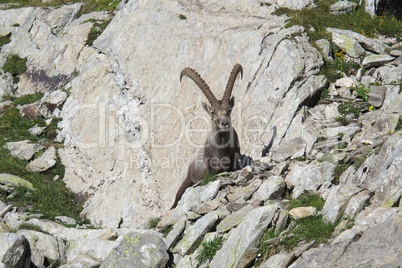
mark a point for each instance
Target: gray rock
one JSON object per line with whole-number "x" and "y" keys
{"x": 377, "y": 95}
{"x": 13, "y": 249}
{"x": 325, "y": 47}
{"x": 296, "y": 4}
{"x": 242, "y": 239}
{"x": 357, "y": 203}
{"x": 98, "y": 249}
{"x": 14, "y": 181}
{"x": 138, "y": 250}
{"x": 289, "y": 149}
{"x": 195, "y": 233}
{"x": 234, "y": 219}
{"x": 243, "y": 193}
{"x": 36, "y": 130}
{"x": 194, "y": 196}
{"x": 55, "y": 97}
{"x": 44, "y": 246}
{"x": 337, "y": 201}
{"x": 396, "y": 53}
{"x": 373, "y": 45}
{"x": 376, "y": 60}
{"x": 272, "y": 188}
{"x": 342, "y": 7}
{"x": 23, "y": 149}
{"x": 65, "y": 220}
{"x": 277, "y": 260}
{"x": 174, "y": 235}
{"x": 46, "y": 161}
{"x": 308, "y": 177}
{"x": 350, "y": 45}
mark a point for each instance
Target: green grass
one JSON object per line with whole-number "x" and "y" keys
{"x": 319, "y": 18}
{"x": 27, "y": 99}
{"x": 29, "y": 226}
{"x": 4, "y": 40}
{"x": 209, "y": 250}
{"x": 308, "y": 229}
{"x": 208, "y": 178}
{"x": 96, "y": 30}
{"x": 15, "y": 66}
{"x": 89, "y": 5}
{"x": 51, "y": 198}
{"x": 307, "y": 200}
{"x": 153, "y": 223}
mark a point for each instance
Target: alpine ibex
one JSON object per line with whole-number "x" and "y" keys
{"x": 221, "y": 150}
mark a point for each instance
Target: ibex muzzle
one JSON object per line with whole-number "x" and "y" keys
{"x": 221, "y": 150}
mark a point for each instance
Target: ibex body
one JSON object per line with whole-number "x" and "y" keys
{"x": 221, "y": 150}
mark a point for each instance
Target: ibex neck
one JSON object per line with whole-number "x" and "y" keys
{"x": 222, "y": 138}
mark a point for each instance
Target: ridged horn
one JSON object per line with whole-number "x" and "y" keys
{"x": 232, "y": 78}
{"x": 193, "y": 75}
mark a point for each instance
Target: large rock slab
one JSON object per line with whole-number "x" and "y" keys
{"x": 13, "y": 249}
{"x": 308, "y": 177}
{"x": 244, "y": 237}
{"x": 348, "y": 44}
{"x": 46, "y": 161}
{"x": 23, "y": 149}
{"x": 138, "y": 250}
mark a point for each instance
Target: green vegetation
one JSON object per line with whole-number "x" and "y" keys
{"x": 182, "y": 17}
{"x": 335, "y": 69}
{"x": 351, "y": 107}
{"x": 153, "y": 223}
{"x": 15, "y": 66}
{"x": 208, "y": 178}
{"x": 165, "y": 230}
{"x": 316, "y": 20}
{"x": 29, "y": 226}
{"x": 308, "y": 229}
{"x": 209, "y": 249}
{"x": 96, "y": 30}
{"x": 89, "y": 5}
{"x": 27, "y": 99}
{"x": 307, "y": 200}
{"x": 399, "y": 124}
{"x": 338, "y": 170}
{"x": 362, "y": 92}
{"x": 304, "y": 230}
{"x": 4, "y": 40}
{"x": 51, "y": 198}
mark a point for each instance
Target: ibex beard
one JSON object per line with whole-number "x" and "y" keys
{"x": 221, "y": 150}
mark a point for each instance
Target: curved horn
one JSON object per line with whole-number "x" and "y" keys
{"x": 232, "y": 78}
{"x": 193, "y": 75}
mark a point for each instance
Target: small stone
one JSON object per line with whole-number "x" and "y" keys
{"x": 377, "y": 95}
{"x": 44, "y": 162}
{"x": 348, "y": 44}
{"x": 396, "y": 53}
{"x": 66, "y": 220}
{"x": 302, "y": 212}
{"x": 376, "y": 60}
{"x": 36, "y": 130}
{"x": 342, "y": 7}
{"x": 23, "y": 149}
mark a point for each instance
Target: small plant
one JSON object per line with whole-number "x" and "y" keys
{"x": 338, "y": 171}
{"x": 29, "y": 226}
{"x": 182, "y": 17}
{"x": 153, "y": 223}
{"x": 208, "y": 178}
{"x": 309, "y": 229}
{"x": 96, "y": 30}
{"x": 399, "y": 124}
{"x": 307, "y": 200}
{"x": 15, "y": 66}
{"x": 209, "y": 249}
{"x": 27, "y": 99}
{"x": 362, "y": 92}
{"x": 165, "y": 230}
{"x": 5, "y": 39}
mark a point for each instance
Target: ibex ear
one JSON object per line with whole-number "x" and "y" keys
{"x": 207, "y": 108}
{"x": 231, "y": 102}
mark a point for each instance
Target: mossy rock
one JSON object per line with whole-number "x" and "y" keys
{"x": 15, "y": 181}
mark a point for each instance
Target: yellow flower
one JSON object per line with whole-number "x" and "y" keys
{"x": 371, "y": 108}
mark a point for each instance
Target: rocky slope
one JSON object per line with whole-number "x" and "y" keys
{"x": 130, "y": 128}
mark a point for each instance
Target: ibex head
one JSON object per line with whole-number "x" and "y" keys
{"x": 219, "y": 110}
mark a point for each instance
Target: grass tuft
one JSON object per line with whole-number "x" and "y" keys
{"x": 209, "y": 250}
{"x": 307, "y": 200}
